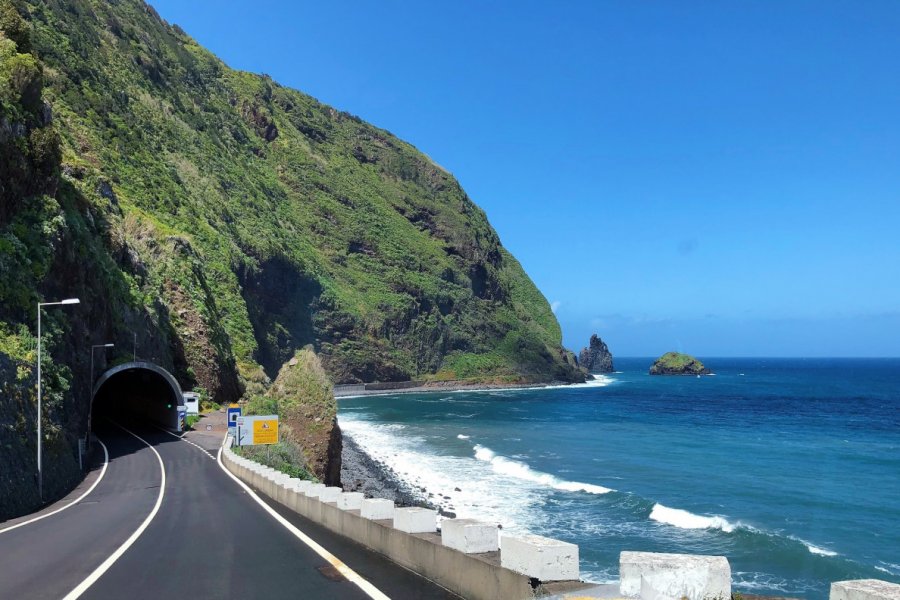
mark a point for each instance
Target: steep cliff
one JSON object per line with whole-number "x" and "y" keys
{"x": 217, "y": 222}
{"x": 596, "y": 358}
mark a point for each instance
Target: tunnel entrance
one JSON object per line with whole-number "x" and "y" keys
{"x": 138, "y": 390}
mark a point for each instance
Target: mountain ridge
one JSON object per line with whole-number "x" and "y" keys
{"x": 216, "y": 222}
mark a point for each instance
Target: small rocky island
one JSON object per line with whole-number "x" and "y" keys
{"x": 676, "y": 363}
{"x": 596, "y": 358}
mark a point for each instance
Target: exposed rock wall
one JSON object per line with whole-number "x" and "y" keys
{"x": 596, "y": 358}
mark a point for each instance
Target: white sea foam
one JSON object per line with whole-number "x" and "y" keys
{"x": 482, "y": 453}
{"x": 597, "y": 381}
{"x": 766, "y": 582}
{"x": 820, "y": 551}
{"x": 687, "y": 520}
{"x": 463, "y": 437}
{"x": 889, "y": 568}
{"x": 488, "y": 487}
{"x": 520, "y": 470}
{"x": 459, "y": 484}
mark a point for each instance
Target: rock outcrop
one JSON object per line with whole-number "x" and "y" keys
{"x": 304, "y": 397}
{"x": 596, "y": 358}
{"x": 675, "y": 363}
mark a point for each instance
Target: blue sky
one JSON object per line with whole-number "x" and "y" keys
{"x": 721, "y": 178}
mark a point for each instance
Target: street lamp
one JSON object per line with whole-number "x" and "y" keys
{"x": 39, "y": 470}
{"x": 91, "y": 387}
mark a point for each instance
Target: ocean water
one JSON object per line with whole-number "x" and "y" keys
{"x": 789, "y": 467}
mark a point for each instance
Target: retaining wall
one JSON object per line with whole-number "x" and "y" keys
{"x": 475, "y": 576}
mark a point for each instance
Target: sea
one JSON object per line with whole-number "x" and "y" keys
{"x": 788, "y": 467}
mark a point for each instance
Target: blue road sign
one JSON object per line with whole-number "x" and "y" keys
{"x": 234, "y": 412}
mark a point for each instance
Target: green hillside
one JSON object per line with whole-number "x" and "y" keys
{"x": 216, "y": 222}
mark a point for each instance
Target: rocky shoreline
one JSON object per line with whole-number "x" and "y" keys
{"x": 361, "y": 473}
{"x": 346, "y": 391}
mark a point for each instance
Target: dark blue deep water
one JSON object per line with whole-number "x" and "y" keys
{"x": 789, "y": 467}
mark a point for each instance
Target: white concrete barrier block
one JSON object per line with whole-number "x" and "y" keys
{"x": 695, "y": 577}
{"x": 302, "y": 485}
{"x": 330, "y": 494}
{"x": 376, "y": 509}
{"x": 864, "y": 589}
{"x": 469, "y": 536}
{"x": 415, "y": 520}
{"x": 315, "y": 490}
{"x": 350, "y": 500}
{"x": 539, "y": 557}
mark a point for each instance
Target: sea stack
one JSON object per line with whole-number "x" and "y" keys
{"x": 596, "y": 358}
{"x": 676, "y": 363}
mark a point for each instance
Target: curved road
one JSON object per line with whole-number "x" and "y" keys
{"x": 209, "y": 538}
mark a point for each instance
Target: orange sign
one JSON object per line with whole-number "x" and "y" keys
{"x": 265, "y": 431}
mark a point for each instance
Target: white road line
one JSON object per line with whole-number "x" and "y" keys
{"x": 351, "y": 575}
{"x": 183, "y": 439}
{"x": 73, "y": 502}
{"x": 104, "y": 567}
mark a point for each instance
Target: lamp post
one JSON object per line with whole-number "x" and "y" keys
{"x": 40, "y": 473}
{"x": 91, "y": 388}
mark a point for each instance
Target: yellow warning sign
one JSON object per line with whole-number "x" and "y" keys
{"x": 265, "y": 431}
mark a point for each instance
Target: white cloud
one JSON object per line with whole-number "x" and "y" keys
{"x": 554, "y": 306}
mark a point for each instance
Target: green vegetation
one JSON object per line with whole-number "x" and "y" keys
{"x": 266, "y": 220}
{"x": 191, "y": 420}
{"x": 227, "y": 221}
{"x": 283, "y": 456}
{"x": 675, "y": 363}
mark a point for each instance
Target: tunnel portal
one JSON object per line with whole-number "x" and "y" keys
{"x": 138, "y": 390}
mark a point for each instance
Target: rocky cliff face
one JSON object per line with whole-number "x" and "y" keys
{"x": 229, "y": 222}
{"x": 596, "y": 358}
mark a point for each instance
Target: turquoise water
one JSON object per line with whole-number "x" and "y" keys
{"x": 790, "y": 468}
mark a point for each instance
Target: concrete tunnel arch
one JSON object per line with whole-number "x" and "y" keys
{"x": 140, "y": 389}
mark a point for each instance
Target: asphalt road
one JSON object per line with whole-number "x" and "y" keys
{"x": 209, "y": 538}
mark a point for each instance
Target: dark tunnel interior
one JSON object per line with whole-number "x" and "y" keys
{"x": 136, "y": 394}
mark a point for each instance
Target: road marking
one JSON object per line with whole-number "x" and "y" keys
{"x": 183, "y": 439}
{"x": 104, "y": 567}
{"x": 351, "y": 575}
{"x": 73, "y": 502}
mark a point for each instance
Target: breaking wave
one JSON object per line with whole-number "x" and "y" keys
{"x": 688, "y": 520}
{"x": 520, "y": 470}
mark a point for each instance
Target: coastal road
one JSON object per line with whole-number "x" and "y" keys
{"x": 204, "y": 536}
{"x": 49, "y": 557}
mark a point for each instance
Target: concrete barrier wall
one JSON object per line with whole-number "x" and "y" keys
{"x": 864, "y": 589}
{"x": 650, "y": 575}
{"x": 475, "y": 576}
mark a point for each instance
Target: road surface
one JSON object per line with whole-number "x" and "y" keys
{"x": 200, "y": 535}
